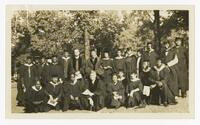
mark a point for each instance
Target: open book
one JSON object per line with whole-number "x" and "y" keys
{"x": 52, "y": 102}
{"x": 88, "y": 92}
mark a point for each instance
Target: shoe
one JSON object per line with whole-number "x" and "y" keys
{"x": 165, "y": 104}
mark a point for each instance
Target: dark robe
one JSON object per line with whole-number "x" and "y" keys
{"x": 56, "y": 92}
{"x": 94, "y": 64}
{"x": 182, "y": 68}
{"x": 75, "y": 90}
{"x": 151, "y": 57}
{"x": 107, "y": 72}
{"x": 139, "y": 62}
{"x": 36, "y": 100}
{"x": 162, "y": 94}
{"x": 99, "y": 90}
{"x": 136, "y": 100}
{"x": 78, "y": 65}
{"x": 167, "y": 57}
{"x": 45, "y": 74}
{"x": 130, "y": 64}
{"x": 119, "y": 65}
{"x": 55, "y": 69}
{"x": 119, "y": 88}
{"x": 66, "y": 64}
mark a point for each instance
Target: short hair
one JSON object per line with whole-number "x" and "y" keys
{"x": 178, "y": 38}
{"x": 149, "y": 43}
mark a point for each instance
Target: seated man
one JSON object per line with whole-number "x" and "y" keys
{"x": 72, "y": 90}
{"x": 161, "y": 94}
{"x": 134, "y": 91}
{"x": 116, "y": 92}
{"x": 54, "y": 91}
{"x": 94, "y": 93}
{"x": 35, "y": 99}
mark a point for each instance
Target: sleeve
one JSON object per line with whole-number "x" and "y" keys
{"x": 173, "y": 62}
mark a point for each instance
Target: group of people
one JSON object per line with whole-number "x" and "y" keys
{"x": 131, "y": 80}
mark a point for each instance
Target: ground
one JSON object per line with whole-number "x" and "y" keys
{"x": 181, "y": 107}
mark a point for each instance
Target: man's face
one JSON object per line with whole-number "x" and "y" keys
{"x": 149, "y": 46}
{"x": 55, "y": 79}
{"x": 178, "y": 42}
{"x": 66, "y": 54}
{"x": 43, "y": 60}
{"x": 121, "y": 74}
{"x": 166, "y": 45}
{"x": 119, "y": 53}
{"x": 29, "y": 61}
{"x": 114, "y": 78}
{"x": 76, "y": 52}
{"x": 92, "y": 76}
{"x": 133, "y": 76}
{"x": 145, "y": 64}
{"x": 106, "y": 55}
{"x": 159, "y": 62}
{"x": 138, "y": 53}
{"x": 129, "y": 52}
{"x": 72, "y": 77}
{"x": 93, "y": 54}
{"x": 38, "y": 84}
{"x": 54, "y": 59}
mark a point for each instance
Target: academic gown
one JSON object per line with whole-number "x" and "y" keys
{"x": 36, "y": 100}
{"x": 56, "y": 91}
{"x": 151, "y": 56}
{"x": 167, "y": 57}
{"x": 130, "y": 64}
{"x": 45, "y": 74}
{"x": 99, "y": 90}
{"x": 182, "y": 68}
{"x": 163, "y": 93}
{"x": 94, "y": 65}
{"x": 78, "y": 65}
{"x": 137, "y": 96}
{"x": 74, "y": 90}
{"x": 66, "y": 64}
{"x": 107, "y": 72}
{"x": 119, "y": 88}
{"x": 119, "y": 65}
{"x": 55, "y": 69}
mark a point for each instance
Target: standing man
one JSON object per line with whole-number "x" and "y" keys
{"x": 182, "y": 66}
{"x": 119, "y": 63}
{"x": 66, "y": 63}
{"x": 150, "y": 55}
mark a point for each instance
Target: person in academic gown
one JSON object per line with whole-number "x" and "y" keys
{"x": 182, "y": 66}
{"x": 107, "y": 65}
{"x": 94, "y": 63}
{"x": 36, "y": 99}
{"x": 28, "y": 74}
{"x": 119, "y": 63}
{"x": 116, "y": 92}
{"x": 130, "y": 63}
{"x": 45, "y": 72}
{"x": 54, "y": 91}
{"x": 161, "y": 94}
{"x": 139, "y": 62}
{"x": 150, "y": 55}
{"x": 97, "y": 89}
{"x": 66, "y": 63}
{"x": 72, "y": 90}
{"x": 170, "y": 59}
{"x": 55, "y": 69}
{"x": 147, "y": 75}
{"x": 134, "y": 91}
{"x": 38, "y": 67}
{"x": 78, "y": 63}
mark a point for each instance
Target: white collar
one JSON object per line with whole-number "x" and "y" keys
{"x": 147, "y": 70}
{"x": 74, "y": 82}
{"x": 158, "y": 69}
{"x": 55, "y": 63}
{"x": 151, "y": 50}
{"x": 105, "y": 58}
{"x": 34, "y": 88}
{"x": 26, "y": 64}
{"x": 122, "y": 78}
{"x": 76, "y": 57}
{"x": 65, "y": 58}
{"x": 54, "y": 84}
{"x": 119, "y": 57}
{"x": 136, "y": 79}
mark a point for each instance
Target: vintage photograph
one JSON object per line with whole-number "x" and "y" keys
{"x": 100, "y": 60}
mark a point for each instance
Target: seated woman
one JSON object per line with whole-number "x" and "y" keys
{"x": 35, "y": 99}
{"x": 94, "y": 93}
{"x": 161, "y": 94}
{"x": 54, "y": 91}
{"x": 134, "y": 91}
{"x": 72, "y": 90}
{"x": 116, "y": 92}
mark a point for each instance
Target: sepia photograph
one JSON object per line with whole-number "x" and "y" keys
{"x": 91, "y": 60}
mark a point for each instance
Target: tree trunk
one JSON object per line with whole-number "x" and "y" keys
{"x": 157, "y": 30}
{"x": 87, "y": 45}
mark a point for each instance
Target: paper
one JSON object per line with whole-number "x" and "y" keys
{"x": 52, "y": 102}
{"x": 146, "y": 90}
{"x": 87, "y": 92}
